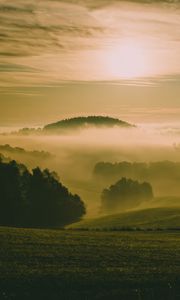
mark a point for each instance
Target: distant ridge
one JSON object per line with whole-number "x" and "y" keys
{"x": 7, "y": 149}
{"x": 85, "y": 122}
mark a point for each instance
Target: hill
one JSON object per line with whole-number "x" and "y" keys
{"x": 152, "y": 218}
{"x": 85, "y": 122}
{"x": 76, "y": 123}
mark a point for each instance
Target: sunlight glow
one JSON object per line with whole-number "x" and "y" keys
{"x": 128, "y": 60}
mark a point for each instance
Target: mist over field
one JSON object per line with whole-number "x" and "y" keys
{"x": 89, "y": 149}
{"x": 73, "y": 156}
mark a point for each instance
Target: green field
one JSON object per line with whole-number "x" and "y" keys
{"x": 52, "y": 264}
{"x": 152, "y": 218}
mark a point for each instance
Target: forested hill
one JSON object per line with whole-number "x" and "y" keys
{"x": 77, "y": 123}
{"x": 83, "y": 122}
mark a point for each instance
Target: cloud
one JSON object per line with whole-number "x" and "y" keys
{"x": 15, "y": 68}
{"x": 74, "y": 39}
{"x": 30, "y": 28}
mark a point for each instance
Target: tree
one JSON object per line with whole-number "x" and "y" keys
{"x": 50, "y": 202}
{"x": 125, "y": 194}
{"x": 11, "y": 193}
{"x": 35, "y": 199}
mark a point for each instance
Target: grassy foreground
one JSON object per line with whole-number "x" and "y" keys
{"x": 52, "y": 264}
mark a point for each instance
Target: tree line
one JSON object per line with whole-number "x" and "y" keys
{"x": 138, "y": 170}
{"x": 36, "y": 198}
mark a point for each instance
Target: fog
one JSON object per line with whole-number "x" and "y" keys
{"x": 74, "y": 155}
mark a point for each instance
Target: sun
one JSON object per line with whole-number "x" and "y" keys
{"x": 128, "y": 60}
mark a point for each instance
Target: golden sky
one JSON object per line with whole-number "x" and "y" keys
{"x": 72, "y": 57}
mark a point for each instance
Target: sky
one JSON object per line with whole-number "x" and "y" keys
{"x": 80, "y": 57}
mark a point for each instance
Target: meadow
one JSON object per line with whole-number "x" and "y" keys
{"x": 156, "y": 218}
{"x": 70, "y": 264}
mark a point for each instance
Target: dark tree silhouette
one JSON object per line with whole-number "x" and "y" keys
{"x": 35, "y": 199}
{"x": 125, "y": 194}
{"x": 78, "y": 122}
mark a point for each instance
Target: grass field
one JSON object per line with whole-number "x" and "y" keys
{"x": 152, "y": 218}
{"x": 52, "y": 264}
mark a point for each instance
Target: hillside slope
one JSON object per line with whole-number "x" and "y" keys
{"x": 155, "y": 218}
